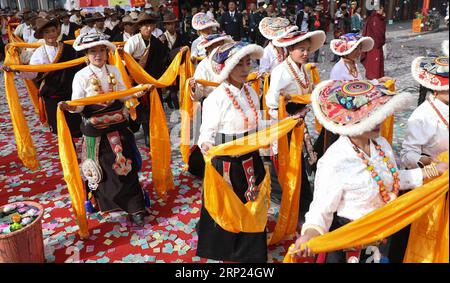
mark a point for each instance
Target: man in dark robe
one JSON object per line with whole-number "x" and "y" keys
{"x": 373, "y": 60}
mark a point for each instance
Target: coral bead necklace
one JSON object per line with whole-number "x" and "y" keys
{"x": 239, "y": 108}
{"x": 385, "y": 195}
{"x": 302, "y": 84}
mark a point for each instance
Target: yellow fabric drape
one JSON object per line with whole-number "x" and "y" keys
{"x": 384, "y": 221}
{"x": 387, "y": 127}
{"x": 160, "y": 147}
{"x": 289, "y": 176}
{"x": 428, "y": 240}
{"x": 159, "y": 133}
{"x": 128, "y": 84}
{"x": 33, "y": 93}
{"x": 77, "y": 32}
{"x": 68, "y": 156}
{"x": 186, "y": 112}
{"x": 221, "y": 202}
{"x": 141, "y": 76}
{"x": 25, "y": 147}
{"x": 48, "y": 67}
{"x": 255, "y": 83}
{"x": 315, "y": 77}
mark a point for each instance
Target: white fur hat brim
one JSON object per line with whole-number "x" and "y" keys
{"x": 86, "y": 46}
{"x": 445, "y": 47}
{"x": 317, "y": 38}
{"x": 366, "y": 43}
{"x": 425, "y": 81}
{"x": 398, "y": 102}
{"x": 255, "y": 52}
{"x": 225, "y": 38}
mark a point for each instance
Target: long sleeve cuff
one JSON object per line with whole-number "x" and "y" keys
{"x": 319, "y": 229}
{"x": 410, "y": 179}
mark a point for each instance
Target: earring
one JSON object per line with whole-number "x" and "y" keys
{"x": 86, "y": 61}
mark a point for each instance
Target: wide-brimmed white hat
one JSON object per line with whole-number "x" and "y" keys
{"x": 317, "y": 39}
{"x": 201, "y": 21}
{"x": 89, "y": 40}
{"x": 431, "y": 72}
{"x": 227, "y": 56}
{"x": 214, "y": 38}
{"x": 351, "y": 108}
{"x": 273, "y": 28}
{"x": 347, "y": 43}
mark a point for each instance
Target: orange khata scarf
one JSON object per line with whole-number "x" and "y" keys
{"x": 159, "y": 134}
{"x": 25, "y": 146}
{"x": 222, "y": 204}
{"x": 426, "y": 207}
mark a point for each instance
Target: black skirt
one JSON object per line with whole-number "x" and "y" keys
{"x": 219, "y": 244}
{"x": 119, "y": 192}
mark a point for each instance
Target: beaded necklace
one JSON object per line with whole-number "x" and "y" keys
{"x": 438, "y": 112}
{"x": 302, "y": 85}
{"x": 96, "y": 83}
{"x": 239, "y": 108}
{"x": 386, "y": 196}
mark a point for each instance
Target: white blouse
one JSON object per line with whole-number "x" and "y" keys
{"x": 87, "y": 29}
{"x": 135, "y": 46}
{"x": 426, "y": 133}
{"x": 283, "y": 81}
{"x": 65, "y": 29}
{"x": 81, "y": 86}
{"x": 270, "y": 59}
{"x": 195, "y": 52}
{"x": 44, "y": 54}
{"x": 110, "y": 24}
{"x": 221, "y": 117}
{"x": 204, "y": 71}
{"x": 344, "y": 185}
{"x": 76, "y": 20}
{"x": 341, "y": 73}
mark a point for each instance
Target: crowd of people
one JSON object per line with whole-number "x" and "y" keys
{"x": 357, "y": 171}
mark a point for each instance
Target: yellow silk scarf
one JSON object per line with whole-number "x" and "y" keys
{"x": 69, "y": 159}
{"x": 25, "y": 146}
{"x": 221, "y": 202}
{"x": 131, "y": 103}
{"x": 428, "y": 238}
{"x": 289, "y": 175}
{"x": 159, "y": 132}
{"x": 389, "y": 219}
